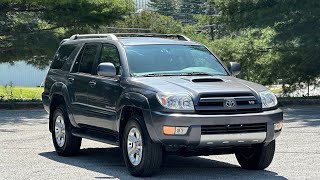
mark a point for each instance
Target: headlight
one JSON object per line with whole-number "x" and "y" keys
{"x": 268, "y": 99}
{"x": 175, "y": 101}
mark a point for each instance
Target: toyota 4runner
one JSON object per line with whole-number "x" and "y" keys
{"x": 156, "y": 94}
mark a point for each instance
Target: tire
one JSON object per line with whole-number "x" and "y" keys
{"x": 151, "y": 153}
{"x": 71, "y": 144}
{"x": 257, "y": 157}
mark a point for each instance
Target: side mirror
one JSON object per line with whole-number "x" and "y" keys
{"x": 106, "y": 70}
{"x": 234, "y": 68}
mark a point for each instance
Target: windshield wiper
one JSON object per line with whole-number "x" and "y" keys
{"x": 159, "y": 74}
{"x": 181, "y": 74}
{"x": 195, "y": 74}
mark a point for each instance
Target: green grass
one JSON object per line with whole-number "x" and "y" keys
{"x": 20, "y": 92}
{"x": 275, "y": 89}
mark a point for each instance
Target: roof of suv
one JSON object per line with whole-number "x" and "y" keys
{"x": 132, "y": 39}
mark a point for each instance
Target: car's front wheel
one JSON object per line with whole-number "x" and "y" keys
{"x": 142, "y": 156}
{"x": 257, "y": 157}
{"x": 64, "y": 142}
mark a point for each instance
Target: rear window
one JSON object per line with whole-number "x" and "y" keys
{"x": 63, "y": 55}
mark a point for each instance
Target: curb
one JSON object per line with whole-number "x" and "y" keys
{"x": 298, "y": 102}
{"x": 21, "y": 105}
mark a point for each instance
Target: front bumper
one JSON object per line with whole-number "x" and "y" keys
{"x": 195, "y": 121}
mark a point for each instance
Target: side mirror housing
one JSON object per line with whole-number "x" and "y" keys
{"x": 234, "y": 68}
{"x": 106, "y": 70}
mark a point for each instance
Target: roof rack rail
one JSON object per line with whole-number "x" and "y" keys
{"x": 114, "y": 36}
{"x": 177, "y": 36}
{"x": 84, "y": 36}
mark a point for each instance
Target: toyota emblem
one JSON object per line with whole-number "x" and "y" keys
{"x": 230, "y": 103}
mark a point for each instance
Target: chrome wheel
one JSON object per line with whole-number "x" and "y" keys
{"x": 60, "y": 132}
{"x": 134, "y": 146}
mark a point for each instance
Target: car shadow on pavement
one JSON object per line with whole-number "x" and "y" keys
{"x": 23, "y": 117}
{"x": 303, "y": 116}
{"x": 110, "y": 163}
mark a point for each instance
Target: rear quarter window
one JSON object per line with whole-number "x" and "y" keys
{"x": 63, "y": 56}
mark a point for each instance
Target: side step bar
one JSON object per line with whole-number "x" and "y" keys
{"x": 96, "y": 136}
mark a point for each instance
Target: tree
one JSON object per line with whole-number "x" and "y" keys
{"x": 154, "y": 21}
{"x": 31, "y": 30}
{"x": 296, "y": 39}
{"x": 184, "y": 10}
{"x": 165, "y": 7}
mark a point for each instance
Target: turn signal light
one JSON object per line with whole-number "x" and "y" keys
{"x": 171, "y": 130}
{"x": 278, "y": 126}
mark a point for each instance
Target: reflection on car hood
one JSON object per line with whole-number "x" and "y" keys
{"x": 197, "y": 85}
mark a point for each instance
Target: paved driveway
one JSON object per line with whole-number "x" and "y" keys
{"x": 26, "y": 152}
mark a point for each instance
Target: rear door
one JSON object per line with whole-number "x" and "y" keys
{"x": 78, "y": 81}
{"x": 104, "y": 92}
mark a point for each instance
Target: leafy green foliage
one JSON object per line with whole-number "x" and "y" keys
{"x": 151, "y": 20}
{"x": 296, "y": 39}
{"x": 31, "y": 30}
{"x": 183, "y": 10}
{"x": 165, "y": 7}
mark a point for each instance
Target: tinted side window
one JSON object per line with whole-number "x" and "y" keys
{"x": 88, "y": 58}
{"x": 62, "y": 56}
{"x": 109, "y": 53}
{"x": 77, "y": 62}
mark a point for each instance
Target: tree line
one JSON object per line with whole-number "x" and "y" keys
{"x": 272, "y": 39}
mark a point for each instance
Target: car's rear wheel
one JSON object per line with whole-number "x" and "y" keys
{"x": 142, "y": 156}
{"x": 257, "y": 157}
{"x": 64, "y": 142}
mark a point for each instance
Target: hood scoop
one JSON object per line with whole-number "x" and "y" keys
{"x": 206, "y": 80}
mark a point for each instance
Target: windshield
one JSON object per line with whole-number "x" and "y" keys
{"x": 172, "y": 60}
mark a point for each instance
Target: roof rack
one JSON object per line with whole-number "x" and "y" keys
{"x": 114, "y": 36}
{"x": 177, "y": 36}
{"x": 84, "y": 36}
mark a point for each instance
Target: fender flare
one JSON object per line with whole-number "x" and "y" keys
{"x": 140, "y": 101}
{"x": 61, "y": 89}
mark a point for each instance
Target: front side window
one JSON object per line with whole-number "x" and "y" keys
{"x": 172, "y": 59}
{"x": 63, "y": 55}
{"x": 109, "y": 53}
{"x": 88, "y": 57}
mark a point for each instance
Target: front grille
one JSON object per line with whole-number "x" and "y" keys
{"x": 217, "y": 103}
{"x": 233, "y": 128}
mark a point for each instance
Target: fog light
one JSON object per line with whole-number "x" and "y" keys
{"x": 175, "y": 130}
{"x": 181, "y": 130}
{"x": 278, "y": 126}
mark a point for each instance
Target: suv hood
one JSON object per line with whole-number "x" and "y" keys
{"x": 198, "y": 85}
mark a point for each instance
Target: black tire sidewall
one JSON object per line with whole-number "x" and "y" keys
{"x": 151, "y": 153}
{"x": 261, "y": 158}
{"x": 133, "y": 123}
{"x": 61, "y": 111}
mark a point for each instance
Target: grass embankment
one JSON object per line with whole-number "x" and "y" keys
{"x": 17, "y": 93}
{"x": 275, "y": 88}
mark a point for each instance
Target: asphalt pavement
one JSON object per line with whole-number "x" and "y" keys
{"x": 26, "y": 152}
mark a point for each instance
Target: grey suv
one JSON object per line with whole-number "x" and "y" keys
{"x": 154, "y": 95}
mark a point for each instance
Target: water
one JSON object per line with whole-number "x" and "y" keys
{"x": 21, "y": 74}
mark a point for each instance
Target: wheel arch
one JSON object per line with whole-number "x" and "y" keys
{"x": 135, "y": 104}
{"x": 59, "y": 96}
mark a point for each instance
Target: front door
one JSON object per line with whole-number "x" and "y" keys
{"x": 79, "y": 79}
{"x": 104, "y": 92}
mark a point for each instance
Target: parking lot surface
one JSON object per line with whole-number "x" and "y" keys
{"x": 26, "y": 152}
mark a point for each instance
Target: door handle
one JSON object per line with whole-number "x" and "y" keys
{"x": 92, "y": 83}
{"x": 70, "y": 79}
